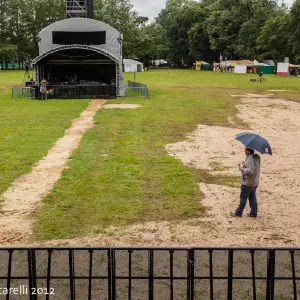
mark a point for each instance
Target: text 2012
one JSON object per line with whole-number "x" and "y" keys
{"x": 42, "y": 291}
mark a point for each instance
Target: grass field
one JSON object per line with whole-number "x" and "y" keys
{"x": 121, "y": 173}
{"x": 29, "y": 128}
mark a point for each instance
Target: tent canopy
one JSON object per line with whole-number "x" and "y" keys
{"x": 81, "y": 31}
{"x": 131, "y": 65}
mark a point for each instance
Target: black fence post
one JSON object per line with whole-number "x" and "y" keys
{"x": 111, "y": 274}
{"x": 294, "y": 274}
{"x": 32, "y": 275}
{"x": 48, "y": 274}
{"x": 191, "y": 274}
{"x": 270, "y": 275}
{"x": 129, "y": 273}
{"x": 230, "y": 274}
{"x": 90, "y": 274}
{"x": 114, "y": 286}
{"x": 253, "y": 274}
{"x": 171, "y": 274}
{"x": 150, "y": 271}
{"x": 211, "y": 275}
{"x": 71, "y": 272}
{"x": 109, "y": 285}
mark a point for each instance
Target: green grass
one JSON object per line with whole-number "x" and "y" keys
{"x": 206, "y": 80}
{"x": 10, "y": 78}
{"x": 121, "y": 173}
{"x": 29, "y": 128}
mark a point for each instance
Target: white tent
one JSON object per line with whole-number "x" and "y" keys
{"x": 241, "y": 69}
{"x": 90, "y": 47}
{"x": 158, "y": 62}
{"x": 283, "y": 69}
{"x": 131, "y": 65}
{"x": 269, "y": 62}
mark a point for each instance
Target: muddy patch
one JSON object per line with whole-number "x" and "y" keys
{"x": 122, "y": 106}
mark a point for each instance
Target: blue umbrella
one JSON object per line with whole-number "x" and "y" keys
{"x": 255, "y": 142}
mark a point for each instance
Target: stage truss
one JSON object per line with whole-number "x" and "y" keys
{"x": 39, "y": 67}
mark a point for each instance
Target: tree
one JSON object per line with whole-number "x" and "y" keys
{"x": 176, "y": 28}
{"x": 5, "y": 46}
{"x": 273, "y": 40}
{"x": 120, "y": 15}
{"x": 294, "y": 30}
{"x": 260, "y": 13}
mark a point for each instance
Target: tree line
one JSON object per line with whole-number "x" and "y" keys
{"x": 184, "y": 31}
{"x": 236, "y": 29}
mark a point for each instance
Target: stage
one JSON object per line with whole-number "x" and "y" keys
{"x": 80, "y": 59}
{"x": 80, "y": 91}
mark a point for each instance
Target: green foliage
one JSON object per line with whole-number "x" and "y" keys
{"x": 273, "y": 41}
{"x": 184, "y": 31}
{"x": 295, "y": 30}
{"x": 249, "y": 29}
{"x": 22, "y": 20}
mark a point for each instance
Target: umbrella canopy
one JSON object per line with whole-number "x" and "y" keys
{"x": 255, "y": 142}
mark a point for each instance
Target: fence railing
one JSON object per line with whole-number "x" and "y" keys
{"x": 83, "y": 91}
{"x": 19, "y": 91}
{"x": 136, "y": 89}
{"x": 149, "y": 273}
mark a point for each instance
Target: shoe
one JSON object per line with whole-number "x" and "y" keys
{"x": 234, "y": 214}
{"x": 252, "y": 216}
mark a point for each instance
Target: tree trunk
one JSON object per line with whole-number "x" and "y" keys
{"x": 5, "y": 61}
{"x": 18, "y": 53}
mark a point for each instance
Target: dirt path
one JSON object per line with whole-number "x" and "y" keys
{"x": 25, "y": 195}
{"x": 278, "y": 195}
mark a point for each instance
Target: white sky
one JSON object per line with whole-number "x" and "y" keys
{"x": 151, "y": 8}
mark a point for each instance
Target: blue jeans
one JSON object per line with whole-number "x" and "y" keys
{"x": 247, "y": 192}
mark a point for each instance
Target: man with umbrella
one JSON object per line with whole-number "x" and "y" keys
{"x": 250, "y": 171}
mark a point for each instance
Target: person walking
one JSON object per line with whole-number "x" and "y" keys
{"x": 43, "y": 89}
{"x": 250, "y": 173}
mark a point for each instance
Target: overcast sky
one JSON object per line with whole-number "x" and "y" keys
{"x": 151, "y": 8}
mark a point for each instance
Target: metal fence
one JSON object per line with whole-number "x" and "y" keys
{"x": 149, "y": 273}
{"x": 83, "y": 91}
{"x": 136, "y": 89}
{"x": 19, "y": 91}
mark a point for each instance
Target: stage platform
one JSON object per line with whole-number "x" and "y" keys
{"x": 79, "y": 91}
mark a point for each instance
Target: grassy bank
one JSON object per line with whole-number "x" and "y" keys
{"x": 29, "y": 128}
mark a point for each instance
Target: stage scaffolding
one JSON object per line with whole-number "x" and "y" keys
{"x": 79, "y": 9}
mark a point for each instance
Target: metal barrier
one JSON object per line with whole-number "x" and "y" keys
{"x": 149, "y": 273}
{"x": 83, "y": 91}
{"x": 19, "y": 91}
{"x": 136, "y": 89}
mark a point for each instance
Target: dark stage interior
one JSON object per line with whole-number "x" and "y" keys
{"x": 78, "y": 73}
{"x": 78, "y": 66}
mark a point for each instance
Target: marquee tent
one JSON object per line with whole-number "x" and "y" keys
{"x": 131, "y": 65}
